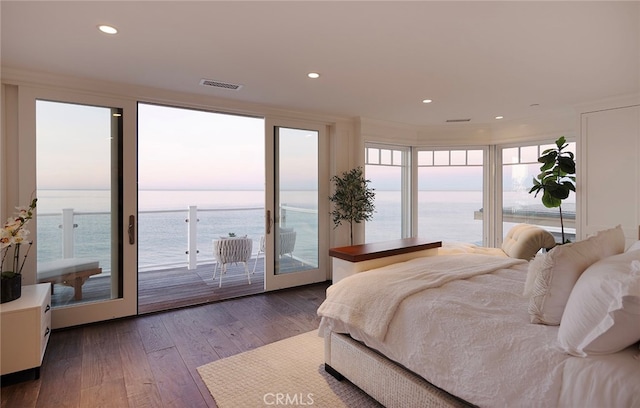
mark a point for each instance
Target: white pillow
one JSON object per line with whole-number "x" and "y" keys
{"x": 535, "y": 265}
{"x": 634, "y": 247}
{"x": 603, "y": 312}
{"x": 561, "y": 268}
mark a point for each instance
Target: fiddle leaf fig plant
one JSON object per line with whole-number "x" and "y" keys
{"x": 353, "y": 199}
{"x": 557, "y": 177}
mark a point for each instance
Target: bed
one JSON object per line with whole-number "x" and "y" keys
{"x": 467, "y": 328}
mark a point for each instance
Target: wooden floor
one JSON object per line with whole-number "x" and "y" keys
{"x": 167, "y": 289}
{"x": 151, "y": 360}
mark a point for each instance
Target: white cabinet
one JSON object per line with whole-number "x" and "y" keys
{"x": 26, "y": 325}
{"x": 609, "y": 176}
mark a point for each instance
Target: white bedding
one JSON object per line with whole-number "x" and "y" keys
{"x": 352, "y": 303}
{"x": 472, "y": 338}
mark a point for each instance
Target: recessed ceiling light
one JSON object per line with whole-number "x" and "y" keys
{"x": 313, "y": 75}
{"x": 107, "y": 29}
{"x": 499, "y": 117}
{"x": 427, "y": 101}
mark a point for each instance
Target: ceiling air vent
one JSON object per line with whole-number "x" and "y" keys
{"x": 457, "y": 120}
{"x": 220, "y": 84}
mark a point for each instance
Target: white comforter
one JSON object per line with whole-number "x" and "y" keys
{"x": 350, "y": 301}
{"x": 472, "y": 338}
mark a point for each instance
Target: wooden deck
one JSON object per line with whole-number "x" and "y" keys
{"x": 167, "y": 289}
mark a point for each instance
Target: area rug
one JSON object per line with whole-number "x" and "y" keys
{"x": 289, "y": 372}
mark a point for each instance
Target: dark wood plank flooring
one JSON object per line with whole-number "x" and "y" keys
{"x": 151, "y": 360}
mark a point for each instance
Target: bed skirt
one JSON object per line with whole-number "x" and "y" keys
{"x": 385, "y": 381}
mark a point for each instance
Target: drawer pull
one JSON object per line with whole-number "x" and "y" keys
{"x": 47, "y": 308}
{"x": 46, "y": 332}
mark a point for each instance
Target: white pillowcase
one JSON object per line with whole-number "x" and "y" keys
{"x": 535, "y": 265}
{"x": 560, "y": 269}
{"x": 603, "y": 312}
{"x": 634, "y": 247}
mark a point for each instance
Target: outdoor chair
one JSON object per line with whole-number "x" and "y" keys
{"x": 287, "y": 244}
{"x": 287, "y": 241}
{"x": 231, "y": 251}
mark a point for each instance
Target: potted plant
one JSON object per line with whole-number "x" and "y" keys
{"x": 352, "y": 199}
{"x": 556, "y": 179}
{"x": 14, "y": 236}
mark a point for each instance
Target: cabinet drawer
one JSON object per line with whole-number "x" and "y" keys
{"x": 45, "y": 327}
{"x": 25, "y": 329}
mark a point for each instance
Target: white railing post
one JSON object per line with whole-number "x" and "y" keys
{"x": 192, "y": 239}
{"x": 67, "y": 232}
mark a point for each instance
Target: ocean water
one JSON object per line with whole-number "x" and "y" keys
{"x": 163, "y": 225}
{"x": 163, "y": 228}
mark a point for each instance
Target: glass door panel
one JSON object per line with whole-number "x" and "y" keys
{"x": 297, "y": 201}
{"x": 81, "y": 226}
{"x": 297, "y": 207}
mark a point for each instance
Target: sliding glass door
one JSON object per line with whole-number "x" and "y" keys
{"x": 86, "y": 229}
{"x": 296, "y": 214}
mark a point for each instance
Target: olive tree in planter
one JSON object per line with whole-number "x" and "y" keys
{"x": 557, "y": 177}
{"x": 352, "y": 199}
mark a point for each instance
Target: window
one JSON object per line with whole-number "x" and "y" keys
{"x": 388, "y": 169}
{"x": 519, "y": 167}
{"x": 450, "y": 195}
{"x": 450, "y": 190}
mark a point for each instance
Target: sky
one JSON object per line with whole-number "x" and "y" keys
{"x": 177, "y": 149}
{"x": 186, "y": 149}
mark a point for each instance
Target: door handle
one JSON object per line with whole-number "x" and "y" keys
{"x": 132, "y": 229}
{"x": 269, "y": 221}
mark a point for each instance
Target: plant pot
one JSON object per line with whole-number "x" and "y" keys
{"x": 10, "y": 288}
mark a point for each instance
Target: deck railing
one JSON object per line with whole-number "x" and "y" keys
{"x": 159, "y": 238}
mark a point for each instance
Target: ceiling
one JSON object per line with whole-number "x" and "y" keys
{"x": 476, "y": 60}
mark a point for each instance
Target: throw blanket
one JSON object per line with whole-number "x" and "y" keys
{"x": 367, "y": 301}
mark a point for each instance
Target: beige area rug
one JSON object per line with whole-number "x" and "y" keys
{"x": 289, "y": 372}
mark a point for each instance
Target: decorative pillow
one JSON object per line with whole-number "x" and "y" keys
{"x": 535, "y": 265}
{"x": 603, "y": 312}
{"x": 523, "y": 241}
{"x": 561, "y": 268}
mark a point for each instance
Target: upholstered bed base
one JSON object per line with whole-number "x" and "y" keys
{"x": 387, "y": 382}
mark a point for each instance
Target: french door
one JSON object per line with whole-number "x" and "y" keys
{"x": 296, "y": 211}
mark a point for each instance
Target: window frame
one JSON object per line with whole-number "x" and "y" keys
{"x": 487, "y": 181}
{"x": 407, "y": 178}
{"x": 541, "y": 144}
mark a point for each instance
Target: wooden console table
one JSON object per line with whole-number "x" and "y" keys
{"x": 352, "y": 259}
